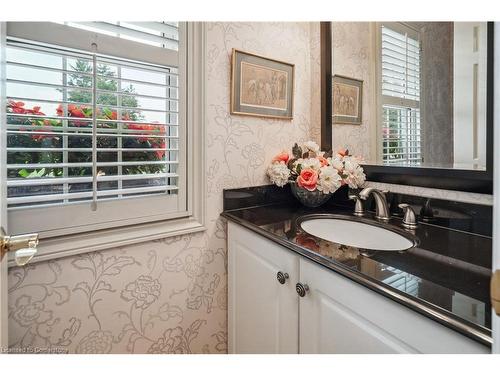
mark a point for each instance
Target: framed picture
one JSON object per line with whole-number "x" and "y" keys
{"x": 261, "y": 86}
{"x": 347, "y": 100}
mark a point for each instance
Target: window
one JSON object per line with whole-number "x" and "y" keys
{"x": 157, "y": 34}
{"x": 96, "y": 125}
{"x": 400, "y": 95}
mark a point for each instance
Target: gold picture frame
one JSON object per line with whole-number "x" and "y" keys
{"x": 261, "y": 86}
{"x": 347, "y": 100}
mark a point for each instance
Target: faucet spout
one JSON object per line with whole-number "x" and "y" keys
{"x": 382, "y": 208}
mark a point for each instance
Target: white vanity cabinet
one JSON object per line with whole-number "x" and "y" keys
{"x": 336, "y": 315}
{"x": 263, "y": 314}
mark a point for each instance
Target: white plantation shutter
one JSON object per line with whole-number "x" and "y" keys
{"x": 401, "y": 135}
{"x": 85, "y": 127}
{"x": 158, "y": 34}
{"x": 400, "y": 64}
{"x": 403, "y": 281}
{"x": 400, "y": 95}
{"x": 152, "y": 42}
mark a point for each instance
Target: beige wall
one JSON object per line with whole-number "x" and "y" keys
{"x": 170, "y": 295}
{"x": 353, "y": 57}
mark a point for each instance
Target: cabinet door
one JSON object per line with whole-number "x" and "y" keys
{"x": 262, "y": 313}
{"x": 328, "y": 326}
{"x": 338, "y": 315}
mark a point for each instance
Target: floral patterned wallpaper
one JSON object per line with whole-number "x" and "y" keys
{"x": 437, "y": 85}
{"x": 157, "y": 297}
{"x": 352, "y": 56}
{"x": 170, "y": 295}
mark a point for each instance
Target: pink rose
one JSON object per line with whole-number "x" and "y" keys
{"x": 308, "y": 179}
{"x": 306, "y": 241}
{"x": 343, "y": 152}
{"x": 323, "y": 161}
{"x": 282, "y": 157}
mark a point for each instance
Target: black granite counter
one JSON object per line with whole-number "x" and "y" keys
{"x": 446, "y": 277}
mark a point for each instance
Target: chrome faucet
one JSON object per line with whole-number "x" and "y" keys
{"x": 382, "y": 209}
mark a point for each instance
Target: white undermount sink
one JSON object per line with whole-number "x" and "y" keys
{"x": 357, "y": 234}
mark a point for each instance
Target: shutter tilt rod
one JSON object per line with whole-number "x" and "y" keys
{"x": 93, "y": 206}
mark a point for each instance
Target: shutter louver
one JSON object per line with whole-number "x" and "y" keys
{"x": 49, "y": 127}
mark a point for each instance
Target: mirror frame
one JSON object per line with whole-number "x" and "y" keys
{"x": 439, "y": 178}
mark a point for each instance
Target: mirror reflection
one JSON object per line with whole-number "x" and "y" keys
{"x": 411, "y": 93}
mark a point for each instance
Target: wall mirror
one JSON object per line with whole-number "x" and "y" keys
{"x": 414, "y": 99}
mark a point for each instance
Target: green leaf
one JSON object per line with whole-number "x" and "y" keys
{"x": 299, "y": 168}
{"x": 35, "y": 174}
{"x": 87, "y": 112}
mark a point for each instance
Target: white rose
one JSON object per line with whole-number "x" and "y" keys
{"x": 350, "y": 164}
{"x": 278, "y": 174}
{"x": 355, "y": 176}
{"x": 329, "y": 180}
{"x": 310, "y": 146}
{"x": 312, "y": 163}
{"x": 336, "y": 163}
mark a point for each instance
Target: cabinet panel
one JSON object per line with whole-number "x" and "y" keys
{"x": 328, "y": 326}
{"x": 341, "y": 316}
{"x": 262, "y": 313}
{"x": 334, "y": 328}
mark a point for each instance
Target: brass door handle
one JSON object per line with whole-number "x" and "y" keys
{"x": 495, "y": 292}
{"x": 24, "y": 246}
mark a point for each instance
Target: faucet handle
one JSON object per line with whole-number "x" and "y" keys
{"x": 409, "y": 219}
{"x": 363, "y": 194}
{"x": 358, "y": 207}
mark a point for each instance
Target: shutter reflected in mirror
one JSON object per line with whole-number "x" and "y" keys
{"x": 400, "y": 65}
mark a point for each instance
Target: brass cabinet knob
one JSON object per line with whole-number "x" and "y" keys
{"x": 301, "y": 289}
{"x": 282, "y": 277}
{"x": 24, "y": 246}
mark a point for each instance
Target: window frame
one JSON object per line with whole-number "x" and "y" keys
{"x": 380, "y": 99}
{"x": 118, "y": 232}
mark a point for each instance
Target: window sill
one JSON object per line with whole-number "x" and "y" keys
{"x": 59, "y": 247}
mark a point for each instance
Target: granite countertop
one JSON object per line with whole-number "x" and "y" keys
{"x": 446, "y": 277}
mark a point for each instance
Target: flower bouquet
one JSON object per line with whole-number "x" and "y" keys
{"x": 315, "y": 175}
